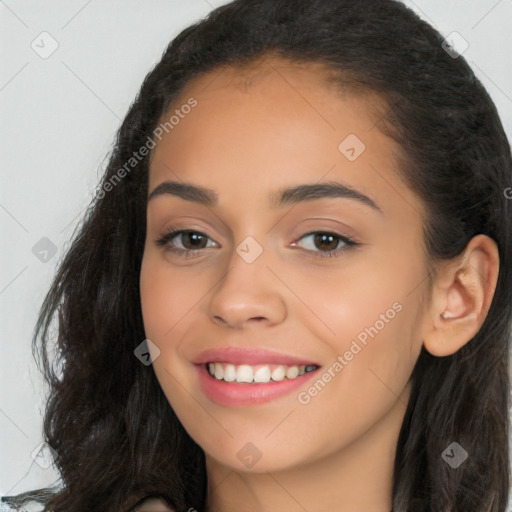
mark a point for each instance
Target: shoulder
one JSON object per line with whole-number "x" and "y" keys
{"x": 5, "y": 507}
{"x": 153, "y": 504}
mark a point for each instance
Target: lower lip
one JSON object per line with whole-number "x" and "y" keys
{"x": 233, "y": 394}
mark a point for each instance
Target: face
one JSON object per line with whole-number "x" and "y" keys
{"x": 315, "y": 292}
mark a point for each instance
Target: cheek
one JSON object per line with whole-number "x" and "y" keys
{"x": 166, "y": 295}
{"x": 165, "y": 303}
{"x": 153, "y": 298}
{"x": 362, "y": 291}
{"x": 378, "y": 341}
{"x": 365, "y": 311}
{"x": 363, "y": 380}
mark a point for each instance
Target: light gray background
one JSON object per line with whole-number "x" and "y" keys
{"x": 59, "y": 116}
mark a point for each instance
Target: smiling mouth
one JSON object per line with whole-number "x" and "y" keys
{"x": 261, "y": 373}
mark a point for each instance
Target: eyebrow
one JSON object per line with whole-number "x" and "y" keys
{"x": 283, "y": 197}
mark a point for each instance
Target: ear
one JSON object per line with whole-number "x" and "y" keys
{"x": 461, "y": 297}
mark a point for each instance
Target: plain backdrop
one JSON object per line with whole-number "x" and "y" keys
{"x": 69, "y": 73}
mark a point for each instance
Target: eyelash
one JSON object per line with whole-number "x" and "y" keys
{"x": 165, "y": 241}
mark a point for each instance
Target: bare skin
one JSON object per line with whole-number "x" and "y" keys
{"x": 153, "y": 505}
{"x": 247, "y": 140}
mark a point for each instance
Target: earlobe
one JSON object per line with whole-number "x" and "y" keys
{"x": 461, "y": 298}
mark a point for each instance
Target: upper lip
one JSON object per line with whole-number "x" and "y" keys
{"x": 236, "y": 355}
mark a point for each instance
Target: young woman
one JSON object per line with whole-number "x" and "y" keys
{"x": 293, "y": 288}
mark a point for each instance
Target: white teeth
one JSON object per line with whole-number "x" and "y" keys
{"x": 258, "y": 373}
{"x": 219, "y": 372}
{"x": 292, "y": 372}
{"x": 243, "y": 373}
{"x": 229, "y": 373}
{"x": 262, "y": 374}
{"x": 278, "y": 373}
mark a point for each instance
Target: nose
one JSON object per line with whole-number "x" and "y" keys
{"x": 249, "y": 293}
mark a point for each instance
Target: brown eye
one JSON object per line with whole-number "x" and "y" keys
{"x": 193, "y": 240}
{"x": 184, "y": 240}
{"x": 325, "y": 243}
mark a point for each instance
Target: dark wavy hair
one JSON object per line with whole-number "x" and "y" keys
{"x": 117, "y": 439}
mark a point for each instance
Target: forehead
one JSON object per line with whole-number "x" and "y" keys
{"x": 271, "y": 123}
{"x": 271, "y": 75}
{"x": 260, "y": 96}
